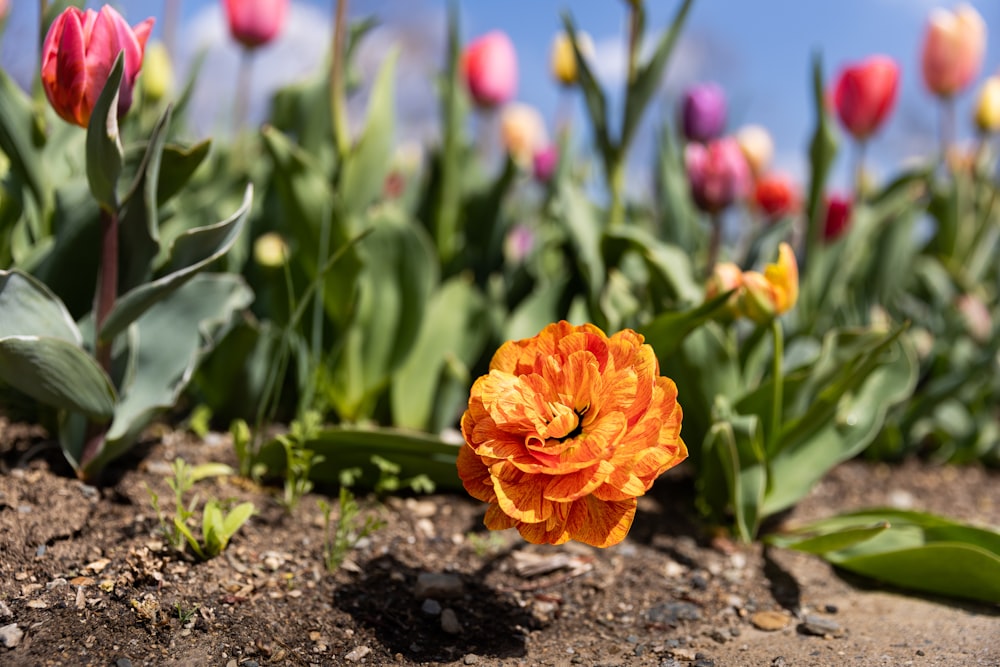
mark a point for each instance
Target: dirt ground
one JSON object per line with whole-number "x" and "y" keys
{"x": 86, "y": 579}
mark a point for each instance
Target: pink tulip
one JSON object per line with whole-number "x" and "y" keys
{"x": 78, "y": 53}
{"x": 954, "y": 46}
{"x": 865, "y": 93}
{"x": 4, "y": 9}
{"x": 489, "y": 65}
{"x": 254, "y": 23}
{"x": 718, "y": 173}
{"x": 544, "y": 163}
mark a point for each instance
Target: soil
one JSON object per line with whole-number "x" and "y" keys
{"x": 86, "y": 578}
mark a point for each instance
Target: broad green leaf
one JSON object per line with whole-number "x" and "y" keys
{"x": 343, "y": 448}
{"x": 917, "y": 551}
{"x": 207, "y": 470}
{"x": 452, "y": 333}
{"x": 667, "y": 331}
{"x": 166, "y": 344}
{"x": 679, "y": 222}
{"x": 738, "y": 443}
{"x": 57, "y": 373}
{"x": 827, "y": 541}
{"x": 29, "y": 308}
{"x": 192, "y": 252}
{"x": 177, "y": 165}
{"x": 17, "y": 125}
{"x": 539, "y": 308}
{"x": 365, "y": 168}
{"x": 235, "y": 519}
{"x": 104, "y": 145}
{"x": 584, "y": 230}
{"x": 597, "y": 106}
{"x": 672, "y": 274}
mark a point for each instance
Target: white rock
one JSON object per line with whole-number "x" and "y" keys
{"x": 10, "y": 635}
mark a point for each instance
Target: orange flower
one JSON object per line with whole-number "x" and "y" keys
{"x": 566, "y": 430}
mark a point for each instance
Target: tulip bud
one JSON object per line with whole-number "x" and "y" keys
{"x": 703, "y": 112}
{"x": 726, "y": 277}
{"x": 865, "y": 93}
{"x": 774, "y": 292}
{"x": 953, "y": 51}
{"x": 254, "y": 23}
{"x": 563, "y": 59}
{"x": 988, "y": 106}
{"x": 976, "y": 316}
{"x": 157, "y": 72}
{"x": 270, "y": 250}
{"x": 77, "y": 56}
{"x": 519, "y": 242}
{"x": 522, "y": 130}
{"x": 545, "y": 162}
{"x": 489, "y": 65}
{"x": 757, "y": 146}
{"x": 775, "y": 196}
{"x": 718, "y": 173}
{"x": 838, "y": 217}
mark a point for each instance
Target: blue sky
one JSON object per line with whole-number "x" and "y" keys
{"x": 759, "y": 51}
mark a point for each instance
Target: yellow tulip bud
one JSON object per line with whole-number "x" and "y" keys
{"x": 988, "y": 106}
{"x": 563, "y": 58}
{"x": 775, "y": 291}
{"x": 157, "y": 72}
{"x": 757, "y": 146}
{"x": 270, "y": 250}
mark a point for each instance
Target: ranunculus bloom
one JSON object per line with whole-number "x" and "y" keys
{"x": 566, "y": 431}
{"x": 703, "y": 112}
{"x": 954, "y": 46}
{"x": 718, "y": 173}
{"x": 757, "y": 146}
{"x": 774, "y": 195}
{"x": 254, "y": 23}
{"x": 562, "y": 58}
{"x": 774, "y": 292}
{"x": 865, "y": 93}
{"x": 522, "y": 130}
{"x": 489, "y": 64}
{"x": 838, "y": 217}
{"x": 78, "y": 53}
{"x": 988, "y": 106}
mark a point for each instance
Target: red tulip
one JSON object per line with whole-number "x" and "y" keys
{"x": 78, "y": 53}
{"x": 718, "y": 173}
{"x": 253, "y": 23}
{"x": 954, "y": 46}
{"x": 865, "y": 93}
{"x": 774, "y": 195}
{"x": 838, "y": 217}
{"x": 489, "y": 64}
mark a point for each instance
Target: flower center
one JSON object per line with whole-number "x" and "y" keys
{"x": 566, "y": 422}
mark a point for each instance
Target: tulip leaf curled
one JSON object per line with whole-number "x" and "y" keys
{"x": 105, "y": 154}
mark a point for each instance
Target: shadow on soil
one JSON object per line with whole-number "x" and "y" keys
{"x": 381, "y": 598}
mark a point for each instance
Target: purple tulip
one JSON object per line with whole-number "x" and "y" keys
{"x": 718, "y": 173}
{"x": 545, "y": 162}
{"x": 703, "y": 114}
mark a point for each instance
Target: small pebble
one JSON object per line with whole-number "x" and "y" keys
{"x": 10, "y": 635}
{"x": 770, "y": 621}
{"x": 670, "y": 613}
{"x": 449, "y": 622}
{"x": 357, "y": 653}
{"x": 123, "y": 662}
{"x": 819, "y": 626}
{"x": 431, "y": 607}
{"x": 920, "y": 652}
{"x": 471, "y": 659}
{"x": 830, "y": 609}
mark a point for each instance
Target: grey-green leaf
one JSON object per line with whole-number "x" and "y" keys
{"x": 104, "y": 146}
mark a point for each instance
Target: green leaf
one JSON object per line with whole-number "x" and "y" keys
{"x": 17, "y": 125}
{"x": 827, "y": 541}
{"x": 57, "y": 373}
{"x": 365, "y": 168}
{"x": 649, "y": 76}
{"x": 207, "y": 470}
{"x": 177, "y": 165}
{"x": 738, "y": 442}
{"x": 344, "y": 447}
{"x": 30, "y": 309}
{"x": 191, "y": 253}
{"x": 672, "y": 276}
{"x": 597, "y": 105}
{"x": 667, "y": 331}
{"x": 822, "y": 151}
{"x": 584, "y": 231}
{"x": 451, "y": 334}
{"x": 165, "y": 346}
{"x": 104, "y": 146}
{"x": 917, "y": 551}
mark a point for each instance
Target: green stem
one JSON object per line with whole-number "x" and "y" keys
{"x": 338, "y": 95}
{"x": 616, "y": 184}
{"x": 859, "y": 170}
{"x": 241, "y": 100}
{"x": 633, "y": 41}
{"x": 779, "y": 381}
{"x": 107, "y": 286}
{"x": 947, "y": 129}
{"x": 714, "y": 243}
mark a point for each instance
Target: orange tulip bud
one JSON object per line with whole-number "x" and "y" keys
{"x": 954, "y": 46}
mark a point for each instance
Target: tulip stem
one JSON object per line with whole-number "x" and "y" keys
{"x": 947, "y": 128}
{"x": 616, "y": 183}
{"x": 859, "y": 170}
{"x": 107, "y": 286}
{"x": 777, "y": 399}
{"x": 243, "y": 83}
{"x": 714, "y": 242}
{"x": 634, "y": 26}
{"x": 338, "y": 104}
